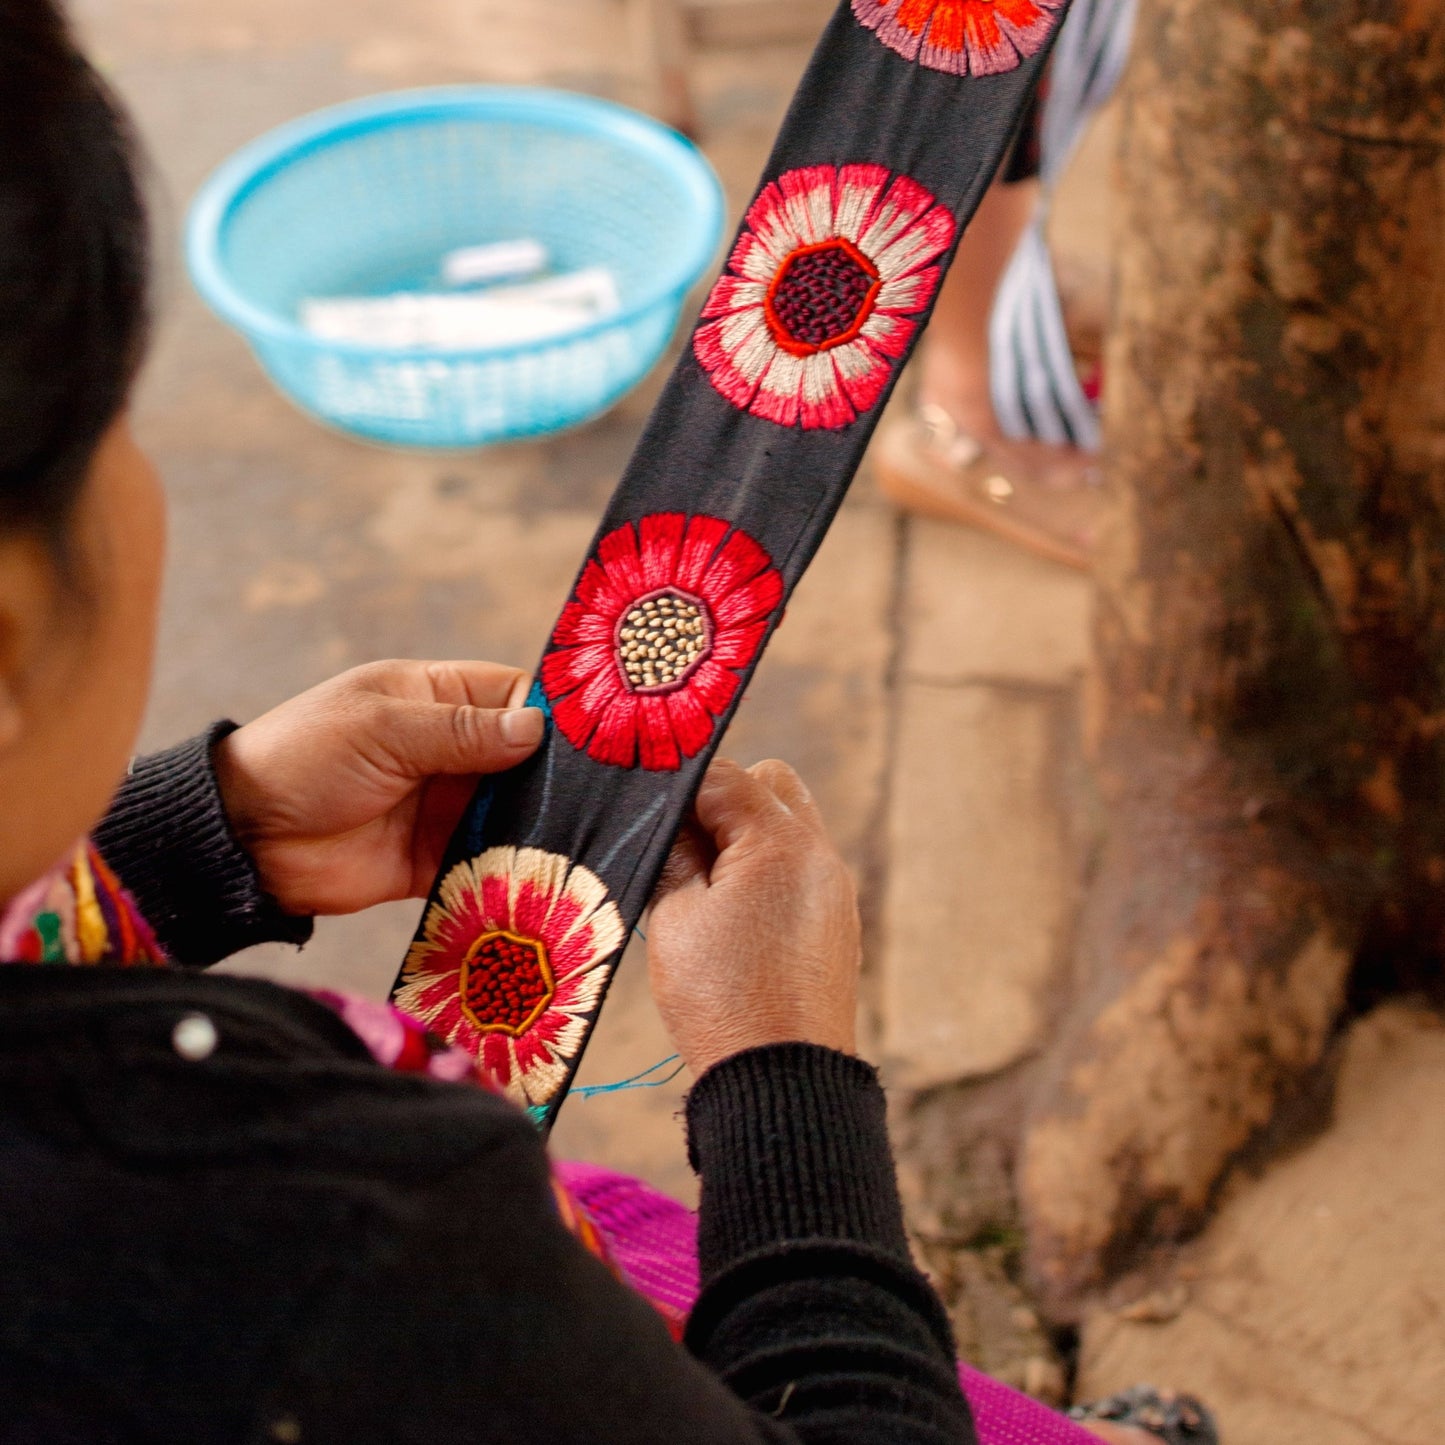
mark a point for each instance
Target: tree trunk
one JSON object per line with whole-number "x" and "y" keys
{"x": 1269, "y": 695}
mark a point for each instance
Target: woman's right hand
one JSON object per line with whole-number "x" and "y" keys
{"x": 754, "y": 937}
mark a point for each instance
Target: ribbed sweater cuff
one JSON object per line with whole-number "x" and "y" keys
{"x": 791, "y": 1144}
{"x": 168, "y": 840}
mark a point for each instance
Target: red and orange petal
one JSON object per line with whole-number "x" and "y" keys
{"x": 730, "y": 589}
{"x": 962, "y": 37}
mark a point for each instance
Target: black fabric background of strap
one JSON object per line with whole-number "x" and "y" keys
{"x": 859, "y": 101}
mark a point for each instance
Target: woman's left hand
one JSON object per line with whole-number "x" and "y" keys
{"x": 346, "y": 796}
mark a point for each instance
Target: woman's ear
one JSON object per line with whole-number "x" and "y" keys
{"x": 28, "y": 601}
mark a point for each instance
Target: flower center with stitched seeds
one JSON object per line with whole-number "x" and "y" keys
{"x": 662, "y": 640}
{"x": 822, "y": 295}
{"x": 506, "y": 982}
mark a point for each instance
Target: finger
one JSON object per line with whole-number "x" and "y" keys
{"x": 732, "y": 803}
{"x": 440, "y": 807}
{"x": 477, "y": 684}
{"x": 790, "y": 790}
{"x": 687, "y": 863}
{"x": 427, "y": 739}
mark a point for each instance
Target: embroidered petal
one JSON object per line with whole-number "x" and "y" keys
{"x": 809, "y": 202}
{"x": 620, "y": 559}
{"x": 754, "y": 602}
{"x": 597, "y": 593}
{"x": 714, "y": 687}
{"x": 578, "y": 626}
{"x": 862, "y": 374}
{"x": 778, "y": 394}
{"x": 562, "y": 671}
{"x": 577, "y": 723}
{"x": 889, "y": 334}
{"x": 659, "y": 749}
{"x": 615, "y": 740}
{"x": 753, "y": 260}
{"x": 735, "y": 293}
{"x": 692, "y": 723}
{"x": 704, "y": 535}
{"x": 908, "y": 293}
{"x": 822, "y": 402}
{"x": 738, "y": 644}
{"x": 661, "y": 538}
{"x": 769, "y": 222}
{"x": 859, "y": 188}
{"x": 736, "y": 563}
{"x": 903, "y": 31}
{"x": 721, "y": 367}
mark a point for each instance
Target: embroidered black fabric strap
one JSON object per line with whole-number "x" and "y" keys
{"x": 896, "y": 131}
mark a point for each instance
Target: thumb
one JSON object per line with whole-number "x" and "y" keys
{"x": 426, "y": 739}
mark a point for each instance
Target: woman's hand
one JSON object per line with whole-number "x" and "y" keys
{"x": 754, "y": 937}
{"x": 346, "y": 796}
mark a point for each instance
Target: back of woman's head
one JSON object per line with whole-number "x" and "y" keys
{"x": 73, "y": 264}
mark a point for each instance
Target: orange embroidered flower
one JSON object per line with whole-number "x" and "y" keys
{"x": 963, "y": 37}
{"x": 509, "y": 966}
{"x": 817, "y": 304}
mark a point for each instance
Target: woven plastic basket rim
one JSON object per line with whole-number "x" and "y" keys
{"x": 254, "y": 164}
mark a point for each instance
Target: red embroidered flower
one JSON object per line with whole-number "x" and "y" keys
{"x": 963, "y": 37}
{"x": 509, "y": 966}
{"x": 814, "y": 310}
{"x": 647, "y": 653}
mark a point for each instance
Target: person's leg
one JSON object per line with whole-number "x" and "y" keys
{"x": 949, "y": 458}
{"x": 953, "y": 365}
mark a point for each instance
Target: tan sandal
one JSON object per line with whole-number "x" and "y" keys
{"x": 926, "y": 464}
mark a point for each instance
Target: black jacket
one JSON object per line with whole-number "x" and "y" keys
{"x": 285, "y": 1242}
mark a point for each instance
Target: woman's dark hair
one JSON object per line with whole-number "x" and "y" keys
{"x": 73, "y": 264}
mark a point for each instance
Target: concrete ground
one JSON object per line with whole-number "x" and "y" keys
{"x": 926, "y": 686}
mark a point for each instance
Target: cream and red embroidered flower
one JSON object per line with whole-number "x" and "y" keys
{"x": 817, "y": 304}
{"x": 647, "y": 652}
{"x": 962, "y": 37}
{"x": 509, "y": 966}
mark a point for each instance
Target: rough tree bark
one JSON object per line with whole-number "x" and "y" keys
{"x": 1269, "y": 736}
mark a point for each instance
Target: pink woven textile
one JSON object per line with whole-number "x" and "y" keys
{"x": 653, "y": 1240}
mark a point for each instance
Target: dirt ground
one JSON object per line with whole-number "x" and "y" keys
{"x": 927, "y": 685}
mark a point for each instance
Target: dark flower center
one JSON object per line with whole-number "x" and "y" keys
{"x": 821, "y": 296}
{"x": 662, "y": 639}
{"x": 506, "y": 982}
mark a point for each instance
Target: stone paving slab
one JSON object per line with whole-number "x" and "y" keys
{"x": 975, "y": 609}
{"x": 975, "y": 896}
{"x": 1315, "y": 1311}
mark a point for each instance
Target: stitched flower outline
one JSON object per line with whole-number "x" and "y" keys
{"x": 962, "y": 37}
{"x": 509, "y": 966}
{"x": 805, "y": 326}
{"x": 646, "y": 655}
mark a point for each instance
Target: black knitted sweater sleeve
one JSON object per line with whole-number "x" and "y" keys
{"x": 811, "y": 1308}
{"x": 168, "y": 840}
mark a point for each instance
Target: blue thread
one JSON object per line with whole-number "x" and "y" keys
{"x": 537, "y": 698}
{"x": 637, "y": 1081}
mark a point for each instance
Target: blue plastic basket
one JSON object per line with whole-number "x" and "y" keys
{"x": 365, "y": 198}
